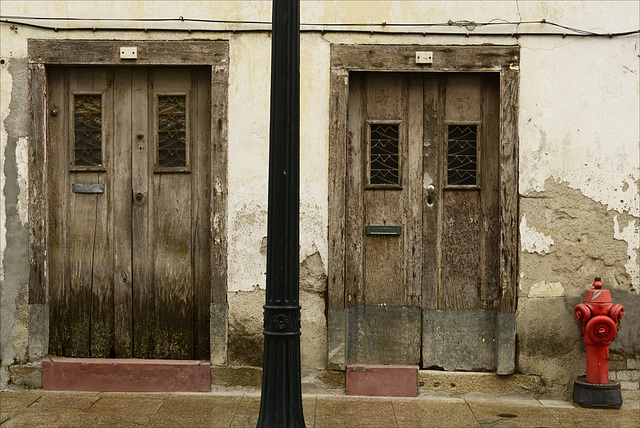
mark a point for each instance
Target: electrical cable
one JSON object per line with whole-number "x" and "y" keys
{"x": 470, "y": 26}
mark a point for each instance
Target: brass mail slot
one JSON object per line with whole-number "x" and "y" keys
{"x": 87, "y": 188}
{"x": 384, "y": 230}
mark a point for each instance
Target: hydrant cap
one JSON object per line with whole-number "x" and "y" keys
{"x": 597, "y": 294}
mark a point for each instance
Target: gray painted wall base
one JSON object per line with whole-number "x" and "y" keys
{"x": 468, "y": 340}
{"x": 337, "y": 346}
{"x": 383, "y": 335}
{"x": 459, "y": 339}
{"x": 38, "y": 331}
{"x": 506, "y": 343}
{"x": 218, "y": 325}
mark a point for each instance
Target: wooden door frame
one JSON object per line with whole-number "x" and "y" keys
{"x": 401, "y": 58}
{"x": 45, "y": 53}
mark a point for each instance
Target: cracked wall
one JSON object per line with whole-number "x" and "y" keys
{"x": 567, "y": 239}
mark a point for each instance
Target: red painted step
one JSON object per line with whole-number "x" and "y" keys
{"x": 382, "y": 380}
{"x": 125, "y": 375}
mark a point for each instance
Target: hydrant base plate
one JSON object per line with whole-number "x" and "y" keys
{"x": 603, "y": 396}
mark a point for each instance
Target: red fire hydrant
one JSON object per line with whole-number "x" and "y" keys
{"x": 599, "y": 321}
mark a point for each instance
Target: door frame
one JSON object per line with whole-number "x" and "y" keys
{"x": 450, "y": 59}
{"x": 45, "y": 53}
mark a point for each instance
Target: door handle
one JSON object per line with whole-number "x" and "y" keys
{"x": 431, "y": 193}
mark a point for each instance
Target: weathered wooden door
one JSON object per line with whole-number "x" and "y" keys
{"x": 422, "y": 219}
{"x": 129, "y": 236}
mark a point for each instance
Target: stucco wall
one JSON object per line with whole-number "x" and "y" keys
{"x": 579, "y": 177}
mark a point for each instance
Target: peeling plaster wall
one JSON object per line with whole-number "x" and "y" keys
{"x": 579, "y": 177}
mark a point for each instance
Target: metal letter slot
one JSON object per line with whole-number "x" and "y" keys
{"x": 87, "y": 188}
{"x": 384, "y": 230}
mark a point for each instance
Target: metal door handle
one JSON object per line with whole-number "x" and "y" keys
{"x": 431, "y": 191}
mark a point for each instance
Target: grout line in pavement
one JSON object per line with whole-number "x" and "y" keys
{"x": 395, "y": 415}
{"x": 32, "y": 403}
{"x": 472, "y": 412}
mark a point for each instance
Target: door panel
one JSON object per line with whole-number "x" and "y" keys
{"x": 383, "y": 278}
{"x": 135, "y": 281}
{"x": 459, "y": 332}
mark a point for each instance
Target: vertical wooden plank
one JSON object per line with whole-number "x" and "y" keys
{"x": 218, "y": 215}
{"x": 354, "y": 274}
{"x": 490, "y": 183}
{"x": 508, "y": 189}
{"x": 171, "y": 232}
{"x": 340, "y": 87}
{"x": 57, "y": 183}
{"x": 384, "y": 258}
{"x": 219, "y": 161}
{"x": 336, "y": 315}
{"x": 433, "y": 114}
{"x": 121, "y": 212}
{"x": 201, "y": 161}
{"x": 142, "y": 252}
{"x": 102, "y": 308}
{"x": 414, "y": 176}
{"x": 37, "y": 183}
{"x": 461, "y": 281}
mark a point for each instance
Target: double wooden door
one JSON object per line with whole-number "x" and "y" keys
{"x": 129, "y": 236}
{"x": 422, "y": 226}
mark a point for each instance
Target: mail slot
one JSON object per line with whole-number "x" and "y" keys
{"x": 87, "y": 188}
{"x": 384, "y": 230}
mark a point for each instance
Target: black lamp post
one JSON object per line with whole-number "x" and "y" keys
{"x": 281, "y": 401}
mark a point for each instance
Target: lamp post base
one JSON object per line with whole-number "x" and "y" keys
{"x": 596, "y": 395}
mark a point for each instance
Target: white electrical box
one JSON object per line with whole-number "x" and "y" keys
{"x": 128, "y": 53}
{"x": 424, "y": 57}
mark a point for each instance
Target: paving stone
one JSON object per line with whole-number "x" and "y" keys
{"x": 105, "y": 420}
{"x": 585, "y": 417}
{"x": 40, "y": 420}
{"x": 12, "y": 402}
{"x": 360, "y": 412}
{"x": 484, "y": 410}
{"x": 130, "y": 405}
{"x": 427, "y": 413}
{"x": 64, "y": 402}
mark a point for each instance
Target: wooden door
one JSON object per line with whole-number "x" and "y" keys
{"x": 129, "y": 259}
{"x": 422, "y": 219}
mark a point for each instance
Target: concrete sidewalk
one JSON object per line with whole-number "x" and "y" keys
{"x": 38, "y": 408}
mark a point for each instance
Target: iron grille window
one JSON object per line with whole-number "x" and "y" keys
{"x": 87, "y": 120}
{"x": 384, "y": 151}
{"x": 462, "y": 155}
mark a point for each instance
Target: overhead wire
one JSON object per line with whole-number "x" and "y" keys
{"x": 326, "y": 27}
